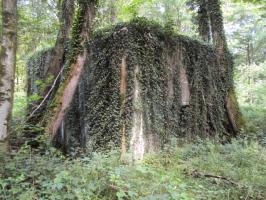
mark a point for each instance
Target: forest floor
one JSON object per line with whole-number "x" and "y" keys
{"x": 202, "y": 170}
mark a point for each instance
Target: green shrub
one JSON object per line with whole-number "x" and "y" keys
{"x": 176, "y": 173}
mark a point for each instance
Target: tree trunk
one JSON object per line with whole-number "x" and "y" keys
{"x": 66, "y": 19}
{"x": 7, "y": 64}
{"x": 210, "y": 23}
{"x": 204, "y": 27}
{"x": 211, "y": 30}
{"x": 54, "y": 60}
{"x": 225, "y": 60}
{"x": 217, "y": 26}
{"x": 81, "y": 34}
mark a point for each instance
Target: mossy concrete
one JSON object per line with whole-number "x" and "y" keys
{"x": 165, "y": 69}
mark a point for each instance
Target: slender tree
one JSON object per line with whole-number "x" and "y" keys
{"x": 66, "y": 20}
{"x": 7, "y": 64}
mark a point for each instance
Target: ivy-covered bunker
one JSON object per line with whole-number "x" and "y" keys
{"x": 143, "y": 85}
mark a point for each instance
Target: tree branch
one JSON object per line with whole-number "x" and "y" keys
{"x": 47, "y": 95}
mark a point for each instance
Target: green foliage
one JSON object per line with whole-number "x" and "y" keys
{"x": 76, "y": 37}
{"x": 37, "y": 29}
{"x": 242, "y": 161}
{"x": 252, "y": 1}
{"x": 20, "y": 105}
{"x": 161, "y": 11}
{"x": 245, "y": 25}
{"x": 37, "y": 79}
{"x": 250, "y": 85}
{"x": 170, "y": 175}
{"x": 43, "y": 84}
{"x": 132, "y": 7}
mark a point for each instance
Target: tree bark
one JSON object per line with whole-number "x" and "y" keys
{"x": 7, "y": 64}
{"x": 210, "y": 23}
{"x": 217, "y": 26}
{"x": 81, "y": 33}
{"x": 226, "y": 62}
{"x": 56, "y": 58}
{"x": 204, "y": 27}
{"x": 211, "y": 30}
{"x": 66, "y": 20}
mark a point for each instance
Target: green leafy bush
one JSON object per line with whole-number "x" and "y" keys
{"x": 176, "y": 173}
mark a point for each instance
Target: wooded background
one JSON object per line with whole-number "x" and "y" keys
{"x": 53, "y": 51}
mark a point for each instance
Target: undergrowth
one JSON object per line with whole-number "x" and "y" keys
{"x": 205, "y": 170}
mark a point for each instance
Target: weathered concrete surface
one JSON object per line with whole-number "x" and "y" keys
{"x": 143, "y": 85}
